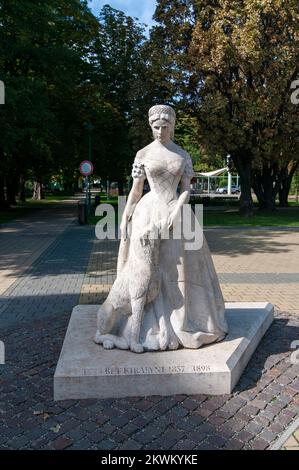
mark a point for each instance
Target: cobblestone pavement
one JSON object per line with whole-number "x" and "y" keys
{"x": 263, "y": 404}
{"x": 261, "y": 407}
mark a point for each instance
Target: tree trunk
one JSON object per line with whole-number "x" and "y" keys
{"x": 286, "y": 175}
{"x": 11, "y": 196}
{"x": 22, "y": 195}
{"x": 120, "y": 188}
{"x": 243, "y": 167}
{"x": 263, "y": 184}
{"x": 284, "y": 195}
{"x": 257, "y": 187}
{"x": 3, "y": 201}
{"x": 12, "y": 189}
{"x": 37, "y": 191}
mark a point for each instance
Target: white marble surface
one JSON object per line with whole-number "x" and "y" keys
{"x": 87, "y": 370}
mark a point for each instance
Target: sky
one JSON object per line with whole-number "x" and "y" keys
{"x": 141, "y": 9}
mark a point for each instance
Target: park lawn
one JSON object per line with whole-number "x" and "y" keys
{"x": 113, "y": 201}
{"x": 227, "y": 218}
{"x": 278, "y": 218}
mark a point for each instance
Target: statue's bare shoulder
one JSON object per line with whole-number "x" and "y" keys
{"x": 147, "y": 151}
{"x": 177, "y": 149}
{"x": 144, "y": 152}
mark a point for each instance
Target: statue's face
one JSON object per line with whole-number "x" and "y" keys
{"x": 162, "y": 130}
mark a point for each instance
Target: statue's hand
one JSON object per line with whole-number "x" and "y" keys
{"x": 172, "y": 218}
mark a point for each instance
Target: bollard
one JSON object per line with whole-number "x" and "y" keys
{"x": 97, "y": 200}
{"x": 82, "y": 213}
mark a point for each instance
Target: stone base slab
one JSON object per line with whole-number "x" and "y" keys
{"x": 86, "y": 370}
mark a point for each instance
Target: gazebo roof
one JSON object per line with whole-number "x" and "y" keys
{"x": 212, "y": 173}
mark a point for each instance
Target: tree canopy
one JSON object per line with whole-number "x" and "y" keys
{"x": 234, "y": 63}
{"x": 76, "y": 83}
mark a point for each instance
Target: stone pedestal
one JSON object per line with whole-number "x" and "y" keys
{"x": 86, "y": 370}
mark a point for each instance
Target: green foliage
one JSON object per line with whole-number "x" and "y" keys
{"x": 43, "y": 64}
{"x": 233, "y": 63}
{"x": 67, "y": 77}
{"x": 79, "y": 86}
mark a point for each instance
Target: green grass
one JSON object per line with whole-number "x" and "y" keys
{"x": 93, "y": 220}
{"x": 293, "y": 203}
{"x": 288, "y": 217}
{"x": 278, "y": 218}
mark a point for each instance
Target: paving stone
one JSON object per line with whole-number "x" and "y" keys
{"x": 250, "y": 410}
{"x": 260, "y": 404}
{"x": 244, "y": 436}
{"x": 215, "y": 420}
{"x": 235, "y": 424}
{"x": 254, "y": 428}
{"x": 147, "y": 434}
{"x": 259, "y": 444}
{"x": 82, "y": 444}
{"x": 106, "y": 444}
{"x": 216, "y": 442}
{"x": 226, "y": 431}
{"x": 267, "y": 435}
{"x": 184, "y": 444}
{"x": 62, "y": 443}
{"x": 131, "y": 444}
{"x": 97, "y": 436}
{"x": 190, "y": 404}
{"x": 130, "y": 429}
{"x": 76, "y": 434}
{"x": 234, "y": 444}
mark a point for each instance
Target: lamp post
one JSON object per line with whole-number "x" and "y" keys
{"x": 89, "y": 127}
{"x": 229, "y": 181}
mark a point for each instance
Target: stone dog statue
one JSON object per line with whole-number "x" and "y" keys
{"x": 136, "y": 288}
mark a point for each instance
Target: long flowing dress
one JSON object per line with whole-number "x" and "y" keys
{"x": 189, "y": 297}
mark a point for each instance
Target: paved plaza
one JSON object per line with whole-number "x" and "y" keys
{"x": 49, "y": 264}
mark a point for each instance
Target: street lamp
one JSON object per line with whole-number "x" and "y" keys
{"x": 229, "y": 181}
{"x": 89, "y": 127}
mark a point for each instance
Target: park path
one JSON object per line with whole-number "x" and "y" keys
{"x": 23, "y": 240}
{"x": 43, "y": 258}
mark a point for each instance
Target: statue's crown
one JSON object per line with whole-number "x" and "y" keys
{"x": 161, "y": 111}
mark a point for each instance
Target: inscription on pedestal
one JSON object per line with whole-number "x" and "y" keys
{"x": 148, "y": 370}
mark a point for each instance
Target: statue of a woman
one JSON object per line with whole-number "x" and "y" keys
{"x": 165, "y": 296}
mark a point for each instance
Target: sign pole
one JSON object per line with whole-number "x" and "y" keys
{"x": 86, "y": 169}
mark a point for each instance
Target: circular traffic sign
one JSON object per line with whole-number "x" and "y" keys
{"x": 86, "y": 168}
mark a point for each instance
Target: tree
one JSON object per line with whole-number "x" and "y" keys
{"x": 117, "y": 58}
{"x": 43, "y": 62}
{"x": 238, "y": 59}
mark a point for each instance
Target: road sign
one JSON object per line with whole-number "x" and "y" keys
{"x": 86, "y": 168}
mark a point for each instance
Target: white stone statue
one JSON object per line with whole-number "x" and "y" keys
{"x": 165, "y": 296}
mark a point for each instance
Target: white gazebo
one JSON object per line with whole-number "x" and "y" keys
{"x": 209, "y": 175}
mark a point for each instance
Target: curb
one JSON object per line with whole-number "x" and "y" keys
{"x": 285, "y": 436}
